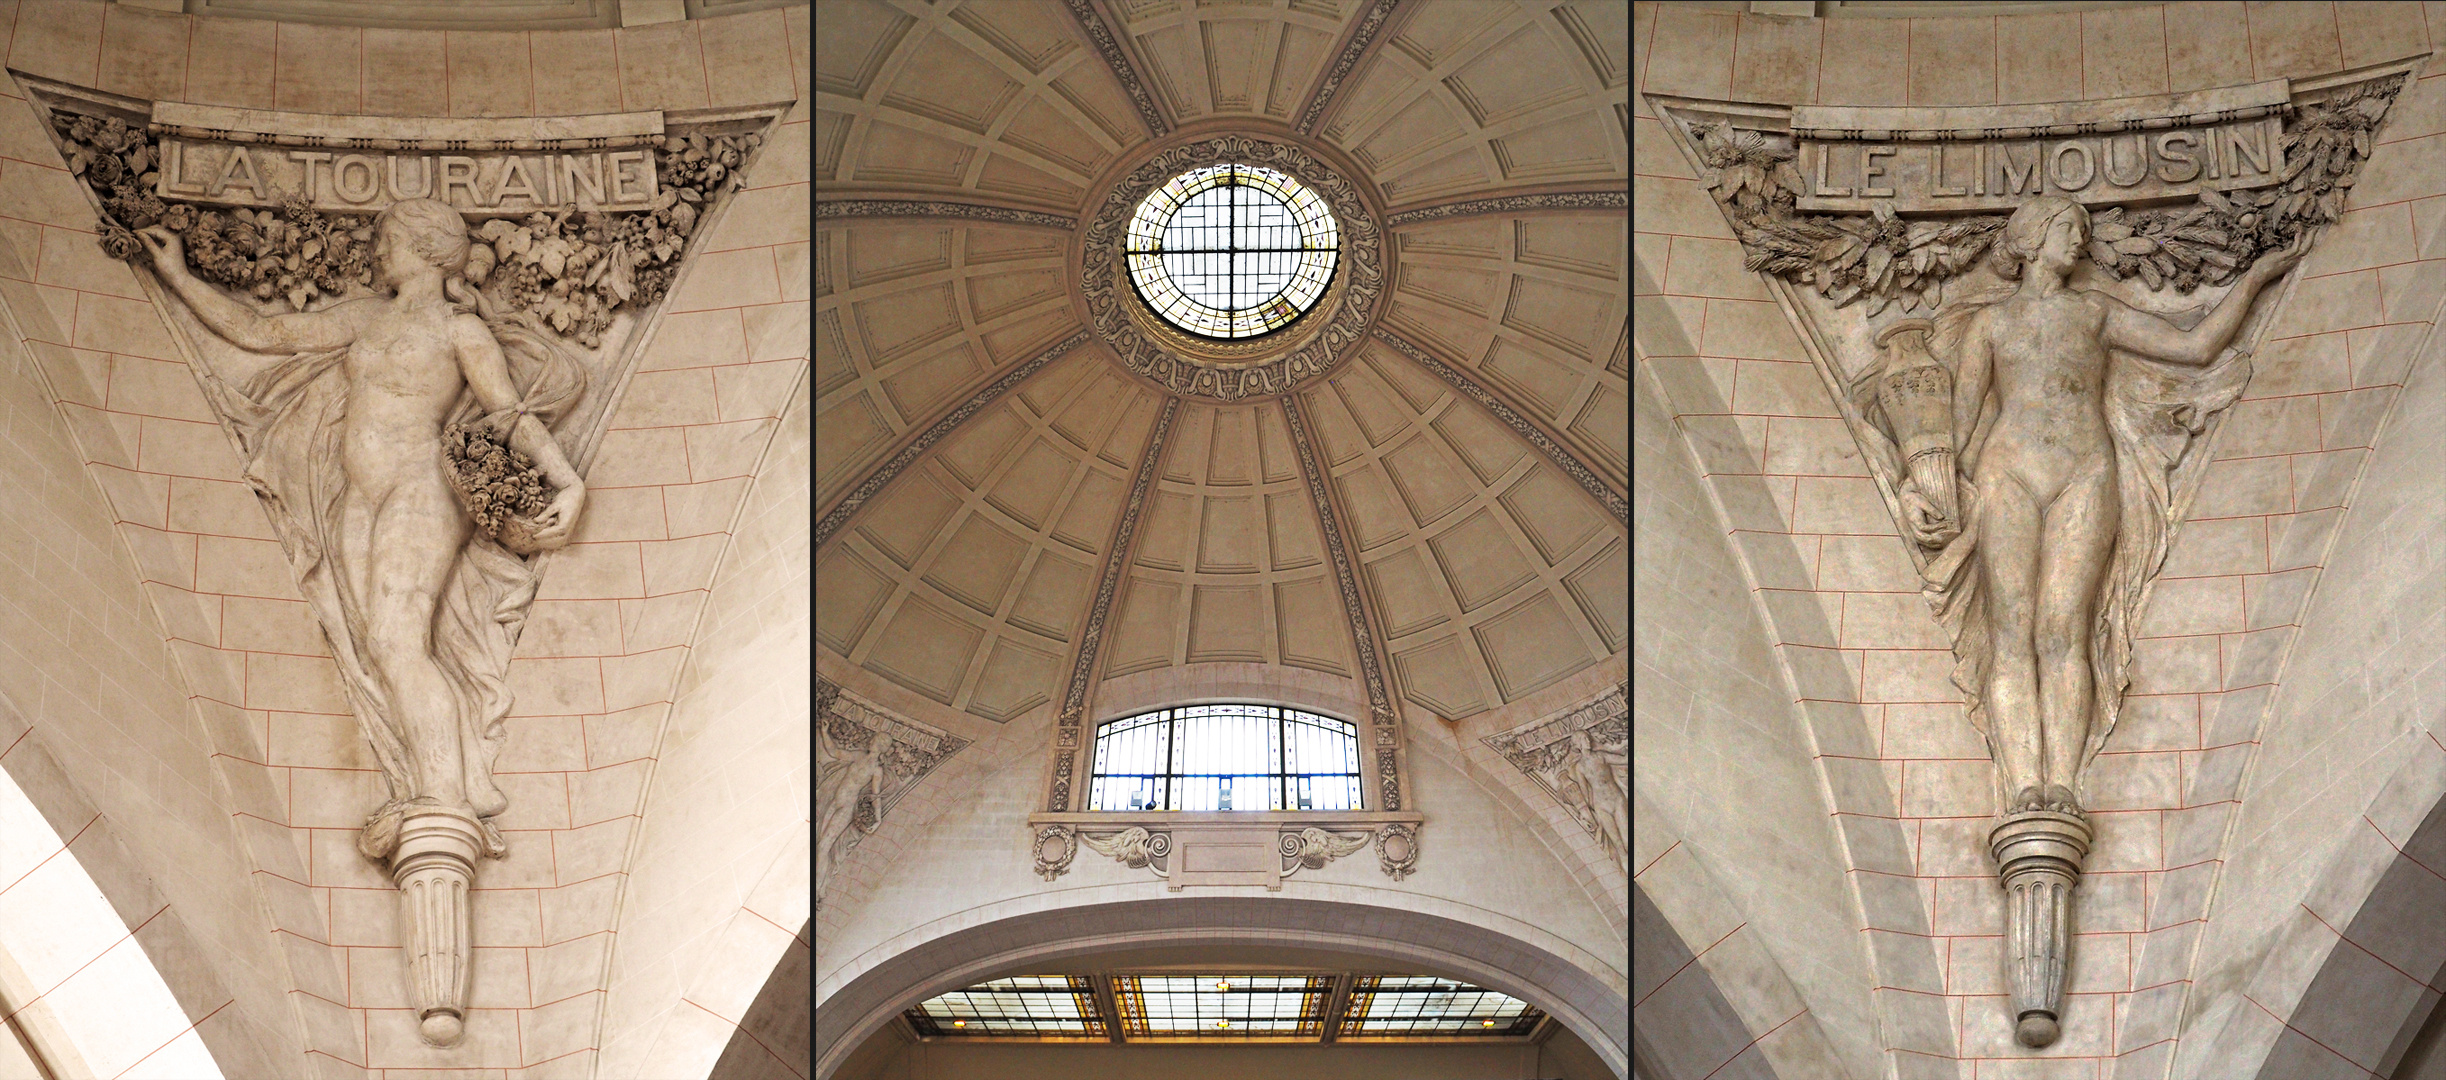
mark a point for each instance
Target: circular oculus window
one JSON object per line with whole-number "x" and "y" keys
{"x": 1232, "y": 251}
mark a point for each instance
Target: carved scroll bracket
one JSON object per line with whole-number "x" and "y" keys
{"x": 1200, "y": 848}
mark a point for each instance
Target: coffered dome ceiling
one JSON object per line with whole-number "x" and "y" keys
{"x": 977, "y": 440}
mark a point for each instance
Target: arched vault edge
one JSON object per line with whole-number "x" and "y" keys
{"x": 1595, "y": 1011}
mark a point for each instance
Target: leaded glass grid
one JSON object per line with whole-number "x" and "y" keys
{"x": 1225, "y": 757}
{"x": 1232, "y": 251}
{"x": 1045, "y": 1006}
{"x": 1222, "y": 1006}
{"x": 1405, "y": 1005}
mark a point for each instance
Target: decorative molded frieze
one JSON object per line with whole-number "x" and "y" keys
{"x": 834, "y": 519}
{"x": 1514, "y": 204}
{"x": 1370, "y": 25}
{"x": 931, "y": 208}
{"x": 1189, "y": 849}
{"x": 1385, "y": 722}
{"x": 1091, "y": 639}
{"x": 867, "y": 760}
{"x": 1581, "y": 756}
{"x": 1562, "y": 457}
{"x": 1230, "y": 371}
{"x": 1107, "y": 46}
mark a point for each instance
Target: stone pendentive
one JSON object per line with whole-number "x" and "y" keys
{"x": 1581, "y": 756}
{"x": 509, "y": 266}
{"x": 2030, "y": 393}
{"x": 867, "y": 760}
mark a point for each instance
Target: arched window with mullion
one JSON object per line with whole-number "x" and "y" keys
{"x": 1225, "y": 757}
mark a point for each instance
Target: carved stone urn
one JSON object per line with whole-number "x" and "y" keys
{"x": 2038, "y": 861}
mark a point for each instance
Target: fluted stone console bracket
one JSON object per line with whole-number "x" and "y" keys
{"x": 433, "y": 867}
{"x": 2038, "y": 861}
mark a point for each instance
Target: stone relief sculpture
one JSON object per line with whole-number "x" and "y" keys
{"x": 1582, "y": 757}
{"x": 2036, "y": 433}
{"x": 1133, "y": 847}
{"x": 413, "y": 396}
{"x": 867, "y": 759}
{"x": 346, "y": 438}
{"x": 1313, "y": 847}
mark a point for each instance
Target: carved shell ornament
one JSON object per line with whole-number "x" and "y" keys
{"x": 1224, "y": 371}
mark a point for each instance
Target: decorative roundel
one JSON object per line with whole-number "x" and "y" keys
{"x": 1232, "y": 251}
{"x": 1232, "y": 266}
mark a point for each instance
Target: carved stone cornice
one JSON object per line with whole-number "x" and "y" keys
{"x": 1513, "y": 204}
{"x": 1364, "y": 34}
{"x": 1091, "y": 639}
{"x": 882, "y": 476}
{"x": 1363, "y": 636}
{"x": 936, "y": 208}
{"x": 1108, "y": 45}
{"x": 1243, "y": 847}
{"x": 1554, "y": 450}
{"x": 1231, "y": 371}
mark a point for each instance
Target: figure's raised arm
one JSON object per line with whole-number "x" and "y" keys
{"x": 240, "y": 325}
{"x": 2150, "y": 335}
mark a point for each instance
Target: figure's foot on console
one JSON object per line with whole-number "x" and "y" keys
{"x": 2060, "y": 800}
{"x": 2029, "y": 798}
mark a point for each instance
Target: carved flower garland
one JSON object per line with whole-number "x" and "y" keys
{"x": 572, "y": 269}
{"x": 1885, "y": 260}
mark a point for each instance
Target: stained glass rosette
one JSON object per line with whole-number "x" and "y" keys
{"x": 1232, "y": 251}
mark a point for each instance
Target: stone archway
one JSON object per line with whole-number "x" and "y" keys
{"x": 1597, "y": 1013}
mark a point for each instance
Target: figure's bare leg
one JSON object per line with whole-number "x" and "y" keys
{"x": 2079, "y": 538}
{"x": 2008, "y": 565}
{"x": 418, "y": 540}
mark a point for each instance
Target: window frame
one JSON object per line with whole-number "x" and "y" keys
{"x": 1172, "y": 749}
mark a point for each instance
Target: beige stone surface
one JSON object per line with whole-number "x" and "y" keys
{"x": 2299, "y": 492}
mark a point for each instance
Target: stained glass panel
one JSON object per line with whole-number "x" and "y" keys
{"x": 1225, "y": 757}
{"x": 1232, "y": 251}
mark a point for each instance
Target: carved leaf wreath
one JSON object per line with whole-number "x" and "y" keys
{"x": 1885, "y": 260}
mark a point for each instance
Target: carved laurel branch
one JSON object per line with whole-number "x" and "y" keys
{"x": 1370, "y": 25}
{"x": 1346, "y": 318}
{"x": 1509, "y": 204}
{"x": 883, "y": 475}
{"x": 858, "y": 208}
{"x": 1082, "y": 669}
{"x": 1102, "y": 37}
{"x": 1884, "y": 260}
{"x": 1562, "y": 458}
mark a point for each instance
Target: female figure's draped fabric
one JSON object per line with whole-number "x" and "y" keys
{"x": 288, "y": 418}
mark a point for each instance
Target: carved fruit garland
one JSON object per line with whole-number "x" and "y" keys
{"x": 1886, "y": 260}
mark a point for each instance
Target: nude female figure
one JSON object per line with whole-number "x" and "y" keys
{"x": 2047, "y": 501}
{"x": 400, "y": 529}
